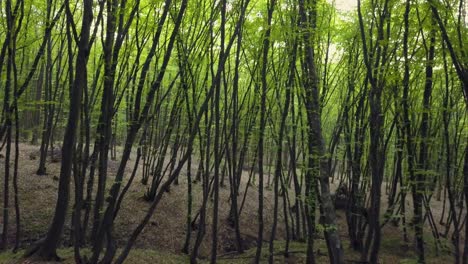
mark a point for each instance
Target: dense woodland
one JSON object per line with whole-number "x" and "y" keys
{"x": 347, "y": 123}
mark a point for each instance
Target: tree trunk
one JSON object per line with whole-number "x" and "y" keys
{"x": 48, "y": 247}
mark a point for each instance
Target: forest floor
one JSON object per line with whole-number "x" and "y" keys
{"x": 162, "y": 239}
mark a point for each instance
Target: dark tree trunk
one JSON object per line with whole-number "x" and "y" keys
{"x": 279, "y": 152}
{"x": 8, "y": 117}
{"x": 48, "y": 108}
{"x": 375, "y": 63}
{"x": 416, "y": 180}
{"x": 47, "y": 248}
{"x": 317, "y": 168}
{"x": 261, "y": 136}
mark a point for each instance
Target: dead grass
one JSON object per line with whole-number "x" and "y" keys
{"x": 166, "y": 230}
{"x": 162, "y": 239}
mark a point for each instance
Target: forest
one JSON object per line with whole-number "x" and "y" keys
{"x": 234, "y": 131}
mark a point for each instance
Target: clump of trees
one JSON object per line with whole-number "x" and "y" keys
{"x": 297, "y": 93}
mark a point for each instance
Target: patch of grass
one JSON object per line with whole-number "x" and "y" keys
{"x": 409, "y": 261}
{"x": 152, "y": 256}
{"x": 297, "y": 254}
{"x": 10, "y": 257}
{"x": 396, "y": 246}
{"x": 140, "y": 256}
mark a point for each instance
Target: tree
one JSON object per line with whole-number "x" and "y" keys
{"x": 46, "y": 249}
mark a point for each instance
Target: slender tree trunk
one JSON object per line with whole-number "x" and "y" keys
{"x": 48, "y": 247}
{"x": 217, "y": 136}
{"x": 279, "y": 153}
{"x": 465, "y": 192}
{"x": 261, "y": 137}
{"x": 318, "y": 168}
{"x": 8, "y": 116}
